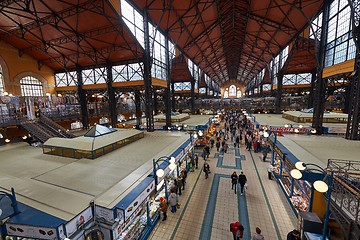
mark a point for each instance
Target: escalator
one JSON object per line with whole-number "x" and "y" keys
{"x": 45, "y": 128}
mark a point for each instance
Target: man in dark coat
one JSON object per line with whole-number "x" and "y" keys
{"x": 242, "y": 181}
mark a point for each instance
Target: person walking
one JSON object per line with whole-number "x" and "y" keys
{"x": 264, "y": 153}
{"x": 179, "y": 184}
{"x": 204, "y": 153}
{"x": 270, "y": 169}
{"x": 183, "y": 176}
{"x": 237, "y": 141}
{"x": 163, "y": 207}
{"x": 192, "y": 163}
{"x": 173, "y": 200}
{"x": 217, "y": 145}
{"x": 242, "y": 181}
{"x": 196, "y": 158}
{"x": 258, "y": 235}
{"x": 293, "y": 235}
{"x": 234, "y": 180}
{"x": 226, "y": 146}
{"x": 207, "y": 148}
{"x": 237, "y": 230}
{"x": 206, "y": 170}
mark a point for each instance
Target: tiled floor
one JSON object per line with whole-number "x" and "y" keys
{"x": 208, "y": 206}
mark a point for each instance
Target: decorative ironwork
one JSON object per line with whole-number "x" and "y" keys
{"x": 345, "y": 197}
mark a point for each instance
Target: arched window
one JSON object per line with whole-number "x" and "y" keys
{"x": 232, "y": 91}
{"x": 2, "y": 90}
{"x": 226, "y": 94}
{"x": 31, "y": 86}
{"x": 238, "y": 94}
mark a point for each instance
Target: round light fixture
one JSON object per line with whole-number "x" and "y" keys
{"x": 7, "y": 140}
{"x": 300, "y": 166}
{"x": 24, "y": 137}
{"x": 6, "y": 93}
{"x": 200, "y": 133}
{"x": 172, "y": 166}
{"x": 195, "y": 136}
{"x": 296, "y": 174}
{"x": 172, "y": 160}
{"x": 185, "y": 126}
{"x": 321, "y": 186}
{"x": 313, "y": 131}
{"x": 301, "y": 126}
{"x": 169, "y": 128}
{"x": 296, "y": 130}
{"x": 286, "y": 125}
{"x": 160, "y": 173}
{"x": 179, "y": 128}
{"x": 266, "y": 134}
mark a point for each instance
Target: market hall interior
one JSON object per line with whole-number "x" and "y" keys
{"x": 103, "y": 104}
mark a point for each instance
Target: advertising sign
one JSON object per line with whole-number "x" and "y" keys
{"x": 78, "y": 221}
{"x": 104, "y": 215}
{"x": 289, "y": 129}
{"x": 137, "y": 202}
{"x": 31, "y": 231}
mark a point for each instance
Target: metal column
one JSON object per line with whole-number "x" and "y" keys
{"x": 155, "y": 102}
{"x": 111, "y": 95}
{"x": 82, "y": 99}
{"x": 320, "y": 83}
{"x": 279, "y": 92}
{"x": 352, "y": 130}
{"x": 138, "y": 112}
{"x": 168, "y": 81}
{"x": 311, "y": 94}
{"x": 147, "y": 77}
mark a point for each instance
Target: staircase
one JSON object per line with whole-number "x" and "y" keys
{"x": 345, "y": 196}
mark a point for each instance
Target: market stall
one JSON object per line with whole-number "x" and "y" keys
{"x": 31, "y": 223}
{"x": 298, "y": 192}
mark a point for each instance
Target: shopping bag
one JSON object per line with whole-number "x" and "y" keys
{"x": 178, "y": 206}
{"x": 246, "y": 185}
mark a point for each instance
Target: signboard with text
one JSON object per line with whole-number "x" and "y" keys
{"x": 31, "y": 231}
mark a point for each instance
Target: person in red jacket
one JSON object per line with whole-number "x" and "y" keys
{"x": 237, "y": 230}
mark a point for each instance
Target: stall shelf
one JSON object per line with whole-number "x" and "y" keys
{"x": 132, "y": 212}
{"x": 298, "y": 192}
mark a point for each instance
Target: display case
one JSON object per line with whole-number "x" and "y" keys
{"x": 136, "y": 227}
{"x": 300, "y": 197}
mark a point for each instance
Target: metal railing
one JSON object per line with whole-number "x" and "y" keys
{"x": 345, "y": 196}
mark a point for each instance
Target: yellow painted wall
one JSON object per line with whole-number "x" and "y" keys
{"x": 18, "y": 66}
{"x": 233, "y": 82}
